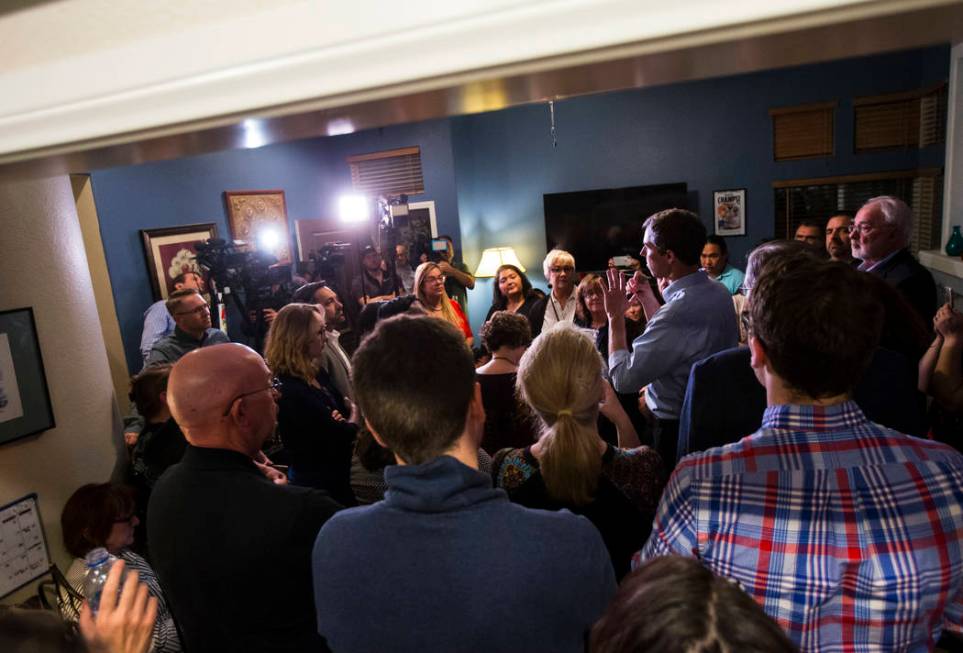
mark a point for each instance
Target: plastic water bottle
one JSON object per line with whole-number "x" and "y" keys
{"x": 98, "y": 562}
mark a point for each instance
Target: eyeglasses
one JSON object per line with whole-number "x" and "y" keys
{"x": 864, "y": 228}
{"x": 559, "y": 269}
{"x": 436, "y": 279}
{"x": 197, "y": 311}
{"x": 275, "y": 386}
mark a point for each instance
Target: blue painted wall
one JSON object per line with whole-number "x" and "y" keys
{"x": 487, "y": 172}
{"x": 313, "y": 174}
{"x": 713, "y": 134}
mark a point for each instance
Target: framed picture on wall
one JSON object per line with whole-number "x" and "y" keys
{"x": 171, "y": 251}
{"x": 24, "y": 400}
{"x": 419, "y": 230}
{"x": 729, "y": 212}
{"x": 260, "y": 218}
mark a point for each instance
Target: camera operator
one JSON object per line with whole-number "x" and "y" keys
{"x": 458, "y": 280}
{"x": 374, "y": 284}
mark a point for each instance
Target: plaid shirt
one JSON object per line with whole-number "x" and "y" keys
{"x": 847, "y": 533}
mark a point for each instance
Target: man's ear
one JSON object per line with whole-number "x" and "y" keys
{"x": 374, "y": 434}
{"x": 757, "y": 359}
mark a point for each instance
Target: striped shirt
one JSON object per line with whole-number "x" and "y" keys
{"x": 847, "y": 533}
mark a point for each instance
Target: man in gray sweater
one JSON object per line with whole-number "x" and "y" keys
{"x": 446, "y": 562}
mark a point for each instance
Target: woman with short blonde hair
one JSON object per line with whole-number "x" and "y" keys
{"x": 618, "y": 489}
{"x": 559, "y": 305}
{"x": 430, "y": 291}
{"x": 317, "y": 437}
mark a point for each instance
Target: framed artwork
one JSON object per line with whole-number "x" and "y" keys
{"x": 171, "y": 251}
{"x": 260, "y": 218}
{"x": 24, "y": 400}
{"x": 419, "y": 230}
{"x": 729, "y": 212}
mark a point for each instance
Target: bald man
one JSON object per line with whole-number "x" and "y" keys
{"x": 231, "y": 547}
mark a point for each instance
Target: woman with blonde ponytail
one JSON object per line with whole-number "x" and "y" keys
{"x": 617, "y": 488}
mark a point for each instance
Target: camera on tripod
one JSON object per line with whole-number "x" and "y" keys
{"x": 251, "y": 279}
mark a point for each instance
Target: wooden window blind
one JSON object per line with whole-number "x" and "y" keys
{"x": 802, "y": 132}
{"x": 388, "y": 173}
{"x": 799, "y": 200}
{"x": 900, "y": 120}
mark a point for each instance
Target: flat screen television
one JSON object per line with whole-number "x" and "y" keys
{"x": 595, "y": 225}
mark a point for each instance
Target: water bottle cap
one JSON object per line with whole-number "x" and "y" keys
{"x": 96, "y": 557}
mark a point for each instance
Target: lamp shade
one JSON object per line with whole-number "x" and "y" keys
{"x": 495, "y": 257}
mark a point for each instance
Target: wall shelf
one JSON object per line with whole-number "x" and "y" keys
{"x": 937, "y": 260}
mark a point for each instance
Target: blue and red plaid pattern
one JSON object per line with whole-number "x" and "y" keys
{"x": 849, "y": 534}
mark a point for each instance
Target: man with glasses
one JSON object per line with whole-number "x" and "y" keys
{"x": 560, "y": 304}
{"x": 232, "y": 545}
{"x": 696, "y": 321}
{"x": 880, "y": 237}
{"x": 158, "y": 321}
{"x": 192, "y": 319}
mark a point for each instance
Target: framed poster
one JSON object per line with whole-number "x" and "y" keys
{"x": 729, "y": 212}
{"x": 171, "y": 251}
{"x": 24, "y": 400}
{"x": 260, "y": 217}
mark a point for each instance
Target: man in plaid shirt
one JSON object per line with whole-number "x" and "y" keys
{"x": 849, "y": 534}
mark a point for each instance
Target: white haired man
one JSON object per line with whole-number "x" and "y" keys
{"x": 880, "y": 237}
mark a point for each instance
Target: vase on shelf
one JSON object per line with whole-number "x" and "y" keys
{"x": 954, "y": 246}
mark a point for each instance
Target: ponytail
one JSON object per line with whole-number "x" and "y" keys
{"x": 560, "y": 377}
{"x": 570, "y": 459}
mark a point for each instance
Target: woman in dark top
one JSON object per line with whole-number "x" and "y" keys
{"x": 316, "y": 435}
{"x": 507, "y": 422}
{"x": 617, "y": 488}
{"x": 160, "y": 444}
{"x": 511, "y": 292}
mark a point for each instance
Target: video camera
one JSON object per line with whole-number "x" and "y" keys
{"x": 253, "y": 279}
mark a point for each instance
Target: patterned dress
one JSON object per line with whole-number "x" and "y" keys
{"x": 630, "y": 483}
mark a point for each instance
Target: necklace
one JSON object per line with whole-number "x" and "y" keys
{"x": 495, "y": 357}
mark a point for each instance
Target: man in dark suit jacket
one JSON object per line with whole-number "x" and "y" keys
{"x": 232, "y": 547}
{"x": 880, "y": 238}
{"x": 724, "y": 402}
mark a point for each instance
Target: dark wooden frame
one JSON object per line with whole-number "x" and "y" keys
{"x": 31, "y": 379}
{"x": 209, "y": 229}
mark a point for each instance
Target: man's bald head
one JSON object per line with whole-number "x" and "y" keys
{"x": 207, "y": 382}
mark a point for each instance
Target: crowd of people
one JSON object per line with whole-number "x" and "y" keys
{"x": 674, "y": 456}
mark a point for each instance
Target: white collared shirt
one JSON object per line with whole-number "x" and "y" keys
{"x": 554, "y": 313}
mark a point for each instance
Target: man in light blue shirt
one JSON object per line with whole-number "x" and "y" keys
{"x": 158, "y": 321}
{"x": 715, "y": 261}
{"x": 697, "y": 320}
